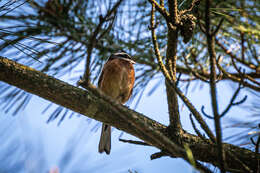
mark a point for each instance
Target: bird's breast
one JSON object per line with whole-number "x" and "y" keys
{"x": 118, "y": 79}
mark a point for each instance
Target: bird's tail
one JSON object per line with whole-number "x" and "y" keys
{"x": 105, "y": 139}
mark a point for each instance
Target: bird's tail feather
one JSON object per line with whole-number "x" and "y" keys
{"x": 105, "y": 139}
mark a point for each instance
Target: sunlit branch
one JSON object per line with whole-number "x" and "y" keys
{"x": 156, "y": 46}
{"x": 162, "y": 10}
{"x": 193, "y": 5}
{"x": 243, "y": 74}
{"x": 196, "y": 114}
{"x": 173, "y": 10}
{"x": 193, "y": 71}
{"x": 249, "y": 65}
{"x": 235, "y": 78}
{"x": 171, "y": 76}
{"x": 162, "y": 3}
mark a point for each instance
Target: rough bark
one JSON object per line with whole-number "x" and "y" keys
{"x": 88, "y": 104}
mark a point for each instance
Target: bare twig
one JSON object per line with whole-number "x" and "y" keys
{"x": 242, "y": 36}
{"x": 253, "y": 51}
{"x": 158, "y": 155}
{"x": 93, "y": 38}
{"x": 197, "y": 115}
{"x": 243, "y": 74}
{"x": 156, "y": 46}
{"x": 204, "y": 113}
{"x": 134, "y": 142}
{"x": 161, "y": 10}
{"x": 202, "y": 27}
{"x": 194, "y": 3}
{"x": 162, "y": 3}
{"x": 235, "y": 78}
{"x": 218, "y": 27}
{"x": 232, "y": 103}
{"x": 249, "y": 65}
{"x": 194, "y": 72}
{"x": 213, "y": 90}
{"x": 195, "y": 129}
{"x": 178, "y": 79}
{"x": 257, "y": 145}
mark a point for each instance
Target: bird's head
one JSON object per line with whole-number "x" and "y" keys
{"x": 123, "y": 56}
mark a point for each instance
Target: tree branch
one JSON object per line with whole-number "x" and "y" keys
{"x": 242, "y": 61}
{"x": 213, "y": 90}
{"x": 173, "y": 9}
{"x": 171, "y": 63}
{"x": 94, "y": 38}
{"x": 169, "y": 73}
{"x": 134, "y": 142}
{"x": 89, "y": 104}
{"x": 237, "y": 79}
{"x": 161, "y": 10}
{"x": 196, "y": 129}
{"x": 232, "y": 101}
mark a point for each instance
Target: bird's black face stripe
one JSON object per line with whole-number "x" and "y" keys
{"x": 122, "y": 55}
{"x": 125, "y": 56}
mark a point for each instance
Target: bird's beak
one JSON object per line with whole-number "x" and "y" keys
{"x": 129, "y": 60}
{"x": 132, "y": 61}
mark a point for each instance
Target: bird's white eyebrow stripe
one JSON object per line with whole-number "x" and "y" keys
{"x": 129, "y": 60}
{"x": 122, "y": 54}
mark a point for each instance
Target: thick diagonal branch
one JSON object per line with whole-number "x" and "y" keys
{"x": 88, "y": 104}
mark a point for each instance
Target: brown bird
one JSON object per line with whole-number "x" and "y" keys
{"x": 117, "y": 81}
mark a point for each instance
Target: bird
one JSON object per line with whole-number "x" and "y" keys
{"x": 117, "y": 81}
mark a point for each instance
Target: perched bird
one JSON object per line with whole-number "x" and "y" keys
{"x": 117, "y": 81}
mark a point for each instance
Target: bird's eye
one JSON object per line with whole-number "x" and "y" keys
{"x": 125, "y": 56}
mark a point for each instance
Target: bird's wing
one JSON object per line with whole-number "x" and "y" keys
{"x": 100, "y": 79}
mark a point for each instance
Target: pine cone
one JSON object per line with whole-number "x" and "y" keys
{"x": 188, "y": 24}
